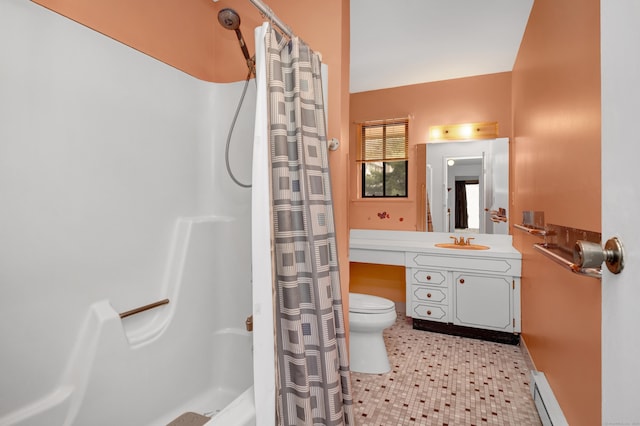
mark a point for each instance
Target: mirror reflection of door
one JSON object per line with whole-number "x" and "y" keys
{"x": 491, "y": 158}
{"x": 465, "y": 182}
{"x": 467, "y": 205}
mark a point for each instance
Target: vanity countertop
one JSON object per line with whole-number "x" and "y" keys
{"x": 389, "y": 247}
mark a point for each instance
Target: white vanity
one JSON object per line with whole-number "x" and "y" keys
{"x": 458, "y": 290}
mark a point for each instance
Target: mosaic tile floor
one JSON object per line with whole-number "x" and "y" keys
{"x": 437, "y": 379}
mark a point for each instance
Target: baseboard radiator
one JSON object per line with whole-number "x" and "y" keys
{"x": 548, "y": 408}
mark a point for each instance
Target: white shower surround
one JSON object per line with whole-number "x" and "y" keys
{"x": 115, "y": 195}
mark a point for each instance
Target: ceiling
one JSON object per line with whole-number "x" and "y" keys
{"x": 401, "y": 42}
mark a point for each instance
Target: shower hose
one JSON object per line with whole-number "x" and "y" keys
{"x": 233, "y": 124}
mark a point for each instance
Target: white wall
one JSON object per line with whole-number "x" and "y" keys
{"x": 102, "y": 149}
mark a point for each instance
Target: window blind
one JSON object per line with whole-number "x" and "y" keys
{"x": 384, "y": 141}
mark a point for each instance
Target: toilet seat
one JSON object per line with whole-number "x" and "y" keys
{"x": 368, "y": 304}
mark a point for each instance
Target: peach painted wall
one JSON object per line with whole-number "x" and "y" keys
{"x": 187, "y": 35}
{"x": 556, "y": 169}
{"x": 380, "y": 280}
{"x": 472, "y": 99}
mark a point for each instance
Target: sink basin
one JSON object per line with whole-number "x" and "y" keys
{"x": 465, "y": 247}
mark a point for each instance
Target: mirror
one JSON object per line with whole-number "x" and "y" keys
{"x": 468, "y": 185}
{"x": 464, "y": 184}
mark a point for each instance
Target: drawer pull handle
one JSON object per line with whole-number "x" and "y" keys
{"x": 429, "y": 295}
{"x": 428, "y": 312}
{"x": 461, "y": 280}
{"x": 428, "y": 277}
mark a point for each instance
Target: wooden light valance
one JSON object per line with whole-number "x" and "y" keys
{"x": 464, "y": 131}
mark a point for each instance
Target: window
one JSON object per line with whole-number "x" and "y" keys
{"x": 383, "y": 154}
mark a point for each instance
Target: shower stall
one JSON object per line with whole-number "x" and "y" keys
{"x": 115, "y": 196}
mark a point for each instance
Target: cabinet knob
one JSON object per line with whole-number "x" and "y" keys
{"x": 429, "y": 295}
{"x": 428, "y": 312}
{"x": 428, "y": 277}
{"x": 461, "y": 280}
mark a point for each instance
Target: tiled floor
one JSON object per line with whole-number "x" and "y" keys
{"x": 437, "y": 379}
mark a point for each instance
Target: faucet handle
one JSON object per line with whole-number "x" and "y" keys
{"x": 469, "y": 240}
{"x": 455, "y": 240}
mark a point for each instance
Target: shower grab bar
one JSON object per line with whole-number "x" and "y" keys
{"x": 576, "y": 269}
{"x": 144, "y": 308}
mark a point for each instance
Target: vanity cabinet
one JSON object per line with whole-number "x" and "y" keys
{"x": 469, "y": 291}
{"x": 451, "y": 290}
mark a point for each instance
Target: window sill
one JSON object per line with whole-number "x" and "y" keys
{"x": 382, "y": 200}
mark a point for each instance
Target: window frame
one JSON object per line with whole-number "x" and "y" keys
{"x": 382, "y": 157}
{"x": 384, "y": 179}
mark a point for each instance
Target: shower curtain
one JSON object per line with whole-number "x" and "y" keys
{"x": 262, "y": 292}
{"x": 311, "y": 364}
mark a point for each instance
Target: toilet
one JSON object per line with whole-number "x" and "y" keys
{"x": 368, "y": 317}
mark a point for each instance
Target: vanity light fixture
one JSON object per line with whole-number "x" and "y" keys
{"x": 464, "y": 131}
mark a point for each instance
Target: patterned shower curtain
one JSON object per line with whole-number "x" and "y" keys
{"x": 313, "y": 379}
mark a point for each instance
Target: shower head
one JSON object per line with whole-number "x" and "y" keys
{"x": 230, "y": 19}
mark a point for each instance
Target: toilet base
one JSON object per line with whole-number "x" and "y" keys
{"x": 368, "y": 353}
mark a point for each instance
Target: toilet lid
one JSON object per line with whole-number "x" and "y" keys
{"x": 366, "y": 303}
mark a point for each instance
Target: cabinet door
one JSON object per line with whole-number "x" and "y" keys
{"x": 483, "y": 301}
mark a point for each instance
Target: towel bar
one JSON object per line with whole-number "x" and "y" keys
{"x": 567, "y": 264}
{"x": 533, "y": 231}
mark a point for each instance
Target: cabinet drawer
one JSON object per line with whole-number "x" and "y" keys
{"x": 425, "y": 276}
{"x": 429, "y": 294}
{"x": 430, "y": 312}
